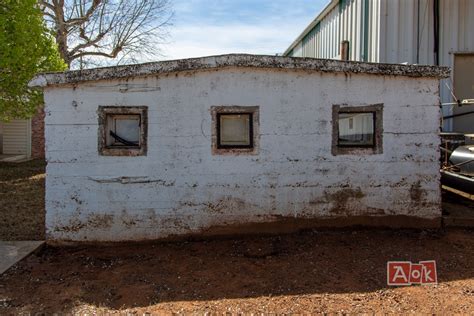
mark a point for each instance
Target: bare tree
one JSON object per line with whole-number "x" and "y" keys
{"x": 90, "y": 31}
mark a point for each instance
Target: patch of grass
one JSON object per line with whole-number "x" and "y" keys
{"x": 22, "y": 200}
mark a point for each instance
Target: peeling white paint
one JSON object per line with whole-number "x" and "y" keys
{"x": 181, "y": 188}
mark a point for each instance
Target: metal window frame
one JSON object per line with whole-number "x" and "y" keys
{"x": 235, "y": 150}
{"x": 104, "y": 112}
{"x": 218, "y": 132}
{"x": 375, "y": 149}
{"x": 114, "y": 118}
{"x": 374, "y": 115}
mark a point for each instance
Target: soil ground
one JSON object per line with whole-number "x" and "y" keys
{"x": 22, "y": 200}
{"x": 314, "y": 271}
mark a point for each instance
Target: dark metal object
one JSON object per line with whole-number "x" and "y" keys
{"x": 449, "y": 136}
{"x": 449, "y": 142}
{"x": 436, "y": 28}
{"x": 457, "y": 181}
{"x": 122, "y": 140}
{"x": 463, "y": 159}
{"x": 457, "y": 115}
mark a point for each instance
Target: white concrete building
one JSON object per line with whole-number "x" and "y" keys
{"x": 426, "y": 32}
{"x": 239, "y": 143}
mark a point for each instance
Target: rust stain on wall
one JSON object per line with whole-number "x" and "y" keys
{"x": 221, "y": 206}
{"x": 102, "y": 221}
{"x": 73, "y": 226}
{"x": 128, "y": 220}
{"x": 418, "y": 196}
{"x": 340, "y": 200}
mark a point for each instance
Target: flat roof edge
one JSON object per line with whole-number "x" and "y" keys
{"x": 239, "y": 61}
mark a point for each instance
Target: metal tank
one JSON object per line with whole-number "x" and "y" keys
{"x": 463, "y": 158}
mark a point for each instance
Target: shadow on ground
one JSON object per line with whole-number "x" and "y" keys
{"x": 142, "y": 275}
{"x": 22, "y": 200}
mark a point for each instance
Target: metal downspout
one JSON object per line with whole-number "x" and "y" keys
{"x": 436, "y": 21}
{"x": 365, "y": 48}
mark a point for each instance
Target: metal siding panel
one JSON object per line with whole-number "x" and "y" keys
{"x": 360, "y": 31}
{"x": 15, "y": 137}
{"x": 326, "y": 39}
{"x": 298, "y": 51}
{"x": 392, "y": 31}
{"x": 426, "y": 38}
{"x": 409, "y": 36}
{"x": 331, "y": 37}
{"x": 353, "y": 31}
{"x": 464, "y": 89}
{"x": 457, "y": 17}
{"x": 383, "y": 31}
{"x": 374, "y": 35}
{"x": 323, "y": 40}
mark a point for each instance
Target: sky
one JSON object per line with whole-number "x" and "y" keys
{"x": 213, "y": 27}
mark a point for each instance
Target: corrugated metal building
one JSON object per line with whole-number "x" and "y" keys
{"x": 433, "y": 32}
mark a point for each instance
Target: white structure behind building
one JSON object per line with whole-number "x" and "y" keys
{"x": 401, "y": 31}
{"x": 15, "y": 138}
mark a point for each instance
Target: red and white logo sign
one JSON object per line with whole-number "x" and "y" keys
{"x": 406, "y": 273}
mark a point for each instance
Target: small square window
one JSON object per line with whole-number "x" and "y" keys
{"x": 234, "y": 130}
{"x": 357, "y": 129}
{"x": 122, "y": 131}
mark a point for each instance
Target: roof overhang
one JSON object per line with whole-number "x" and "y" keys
{"x": 235, "y": 61}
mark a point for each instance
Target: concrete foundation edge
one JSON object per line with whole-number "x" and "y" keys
{"x": 290, "y": 225}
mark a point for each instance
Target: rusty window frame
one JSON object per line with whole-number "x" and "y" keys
{"x": 104, "y": 112}
{"x": 233, "y": 150}
{"x": 377, "y": 148}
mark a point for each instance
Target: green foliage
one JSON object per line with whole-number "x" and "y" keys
{"x": 26, "y": 48}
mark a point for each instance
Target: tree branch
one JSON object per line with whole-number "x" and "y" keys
{"x": 112, "y": 54}
{"x": 84, "y": 17}
{"x": 122, "y": 29}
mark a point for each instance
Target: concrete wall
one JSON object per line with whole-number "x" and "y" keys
{"x": 181, "y": 188}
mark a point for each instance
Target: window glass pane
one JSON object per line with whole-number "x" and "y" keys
{"x": 124, "y": 130}
{"x": 235, "y": 129}
{"x": 356, "y": 129}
